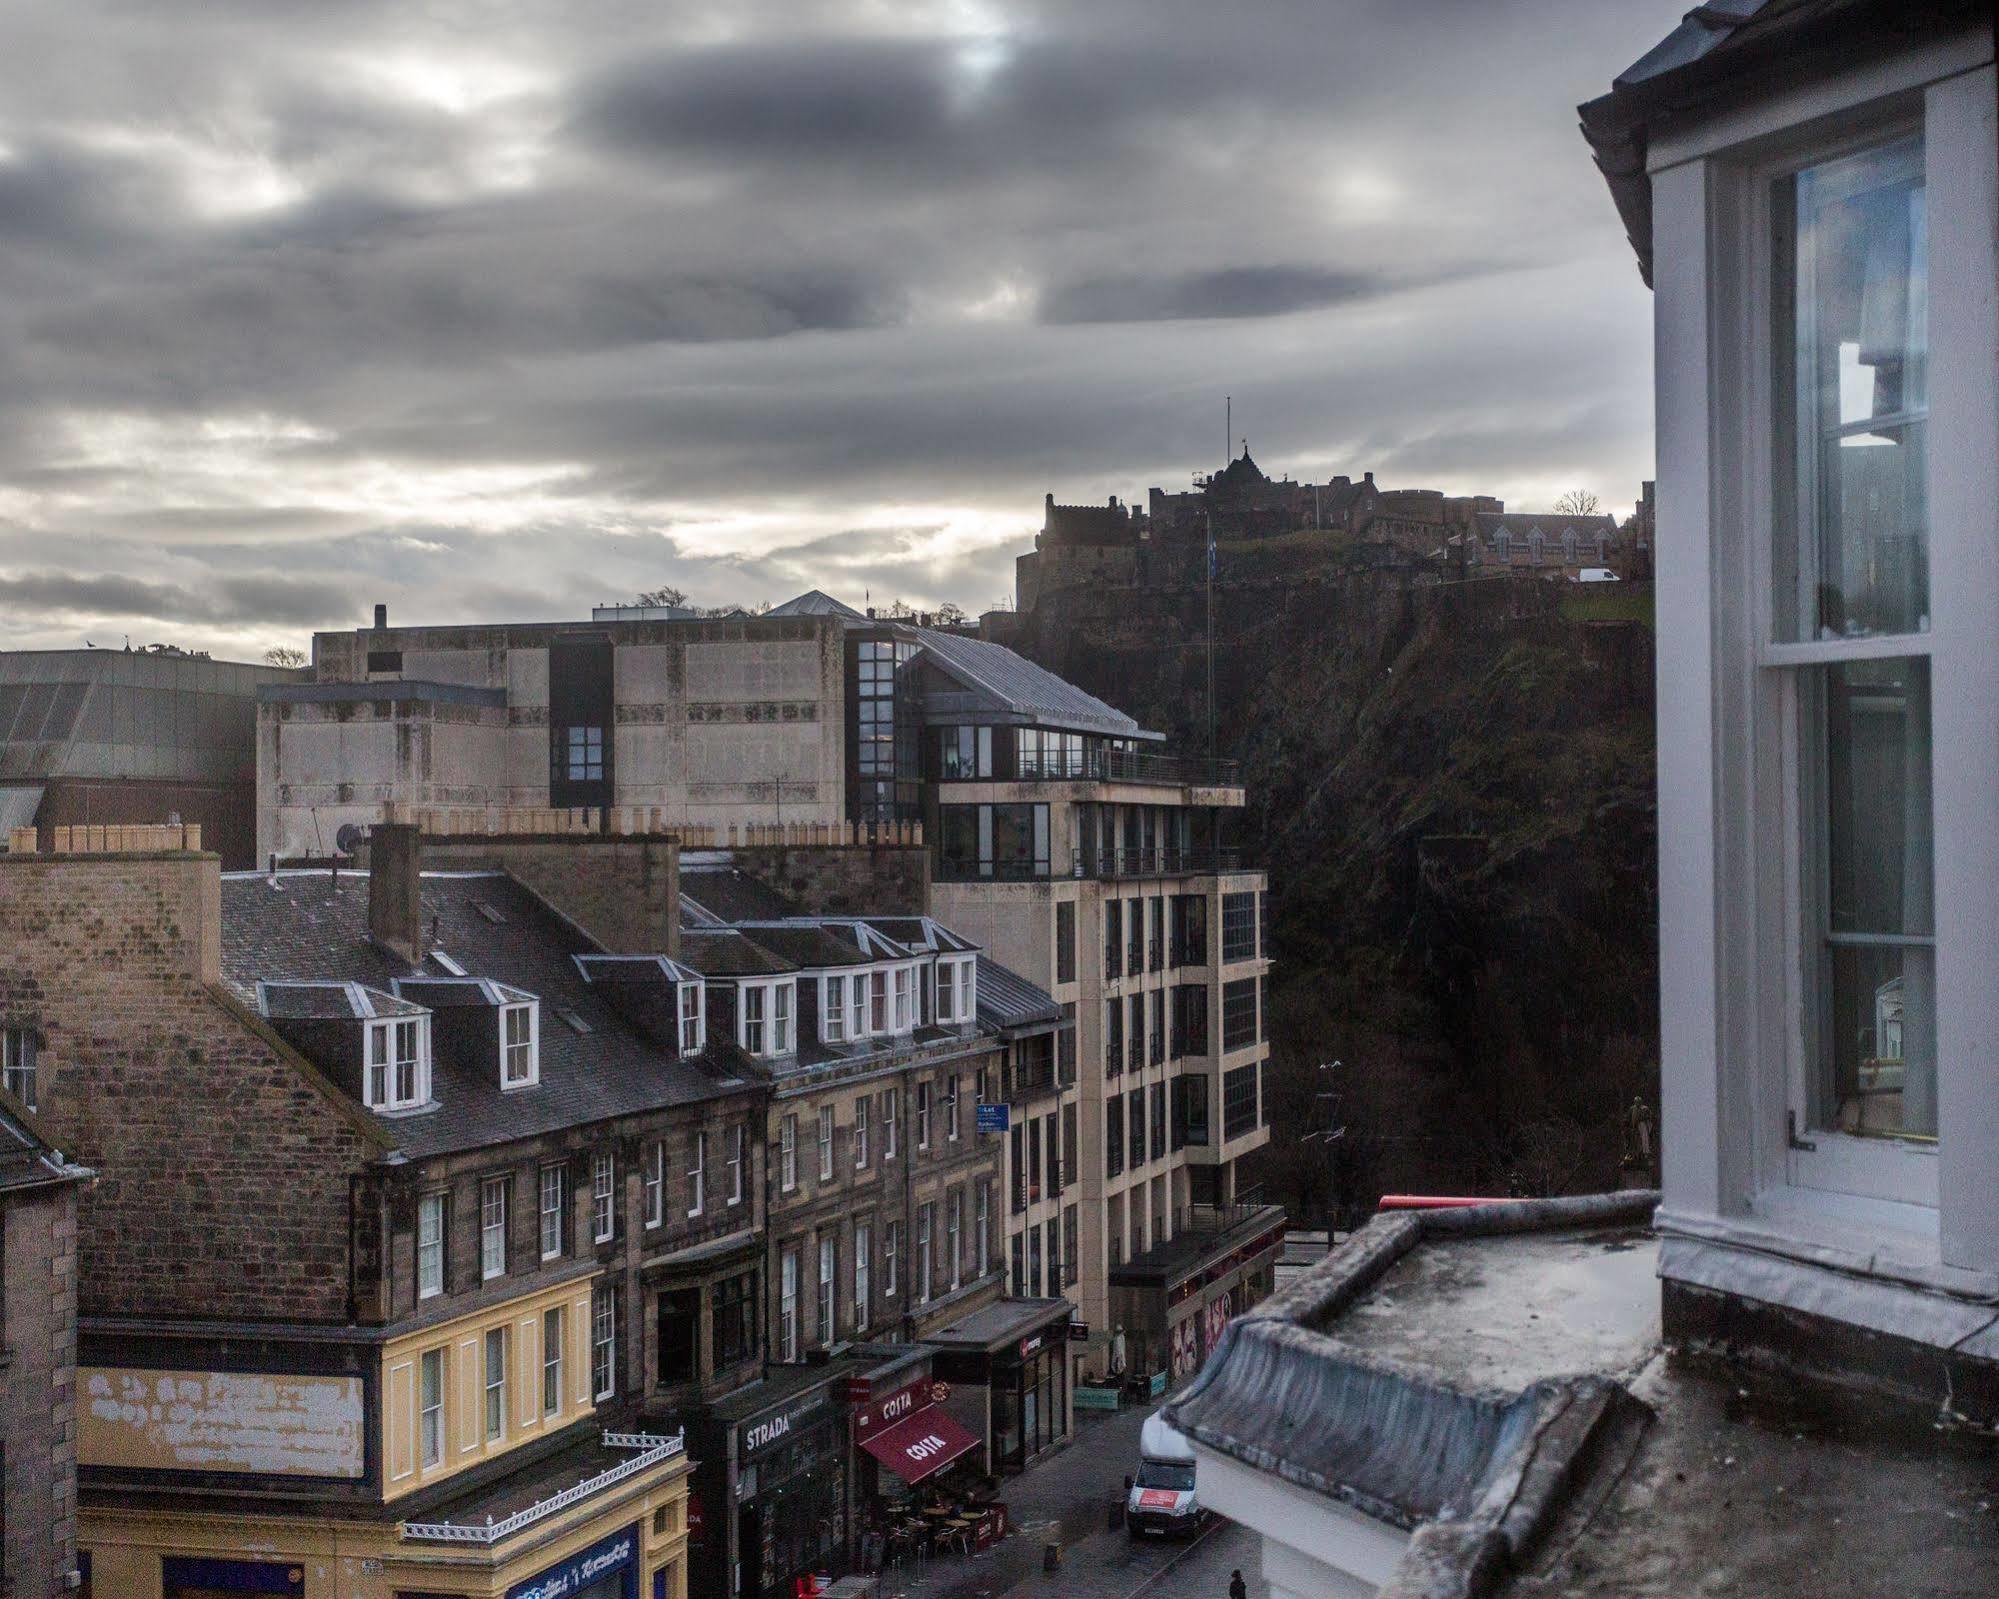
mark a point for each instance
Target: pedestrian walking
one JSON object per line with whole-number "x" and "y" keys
{"x": 1238, "y": 1589}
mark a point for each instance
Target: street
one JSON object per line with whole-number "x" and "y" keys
{"x": 1065, "y": 1500}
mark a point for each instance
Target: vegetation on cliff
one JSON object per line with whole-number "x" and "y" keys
{"x": 1452, "y": 787}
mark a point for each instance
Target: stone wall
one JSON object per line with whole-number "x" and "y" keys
{"x": 223, "y": 1162}
{"x": 38, "y": 1393}
{"x": 844, "y": 879}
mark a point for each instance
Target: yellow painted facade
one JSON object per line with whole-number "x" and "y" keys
{"x": 349, "y": 1560}
{"x": 439, "y": 1398}
{"x": 416, "y": 1454}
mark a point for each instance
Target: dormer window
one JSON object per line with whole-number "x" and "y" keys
{"x": 398, "y": 1074}
{"x": 520, "y": 1045}
{"x": 956, "y": 996}
{"x": 693, "y": 1018}
{"x": 905, "y": 999}
{"x": 764, "y": 1025}
{"x": 833, "y": 1007}
{"x": 878, "y": 1001}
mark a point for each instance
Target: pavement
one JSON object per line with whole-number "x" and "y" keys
{"x": 1065, "y": 1499}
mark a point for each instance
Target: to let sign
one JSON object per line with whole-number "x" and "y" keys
{"x": 992, "y": 1118}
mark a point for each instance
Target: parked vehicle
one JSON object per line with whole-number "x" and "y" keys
{"x": 1161, "y": 1498}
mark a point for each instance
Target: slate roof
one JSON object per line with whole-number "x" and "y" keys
{"x": 816, "y": 602}
{"x": 1014, "y": 684}
{"x": 806, "y": 946}
{"x": 307, "y": 927}
{"x": 330, "y": 1000}
{"x": 27, "y": 1160}
{"x": 727, "y": 893}
{"x": 1008, "y": 1002}
{"x": 1731, "y": 49}
{"x": 724, "y": 952}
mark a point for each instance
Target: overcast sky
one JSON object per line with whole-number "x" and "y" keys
{"x": 497, "y": 310}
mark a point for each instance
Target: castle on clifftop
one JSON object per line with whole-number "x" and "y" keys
{"x": 1166, "y": 543}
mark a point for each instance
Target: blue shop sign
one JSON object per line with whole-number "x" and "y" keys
{"x": 992, "y": 1118}
{"x": 586, "y": 1572}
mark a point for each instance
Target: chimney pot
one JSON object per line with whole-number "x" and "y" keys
{"x": 381, "y": 617}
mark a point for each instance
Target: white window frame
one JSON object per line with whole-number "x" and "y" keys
{"x": 524, "y": 1054}
{"x": 551, "y": 1361}
{"x": 951, "y": 1108}
{"x": 982, "y": 1225}
{"x": 861, "y": 1133}
{"x": 864, "y": 1244}
{"x": 905, "y": 999}
{"x": 655, "y": 1183}
{"x": 784, "y": 1017}
{"x": 787, "y": 1306}
{"x": 20, "y": 1069}
{"x": 397, "y": 1090}
{"x": 891, "y": 1249}
{"x": 552, "y": 1219}
{"x": 495, "y": 1359}
{"x": 833, "y": 1007}
{"x": 603, "y": 1196}
{"x": 738, "y": 1139}
{"x": 604, "y": 1342}
{"x": 826, "y": 1325}
{"x": 753, "y": 1032}
{"x": 430, "y": 1408}
{"x": 878, "y": 1007}
{"x": 954, "y": 1235}
{"x": 926, "y": 1224}
{"x": 495, "y": 1195}
{"x": 697, "y": 1176}
{"x": 923, "y": 1113}
{"x": 787, "y": 1154}
{"x": 431, "y": 1223}
{"x": 826, "y": 1126}
{"x": 891, "y": 1097}
{"x": 694, "y": 1023}
{"x": 1734, "y": 1016}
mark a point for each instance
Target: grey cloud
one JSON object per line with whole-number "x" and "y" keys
{"x": 1231, "y": 292}
{"x": 271, "y": 599}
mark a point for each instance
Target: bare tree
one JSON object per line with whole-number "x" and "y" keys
{"x": 666, "y": 595}
{"x": 1577, "y": 502}
{"x": 284, "y": 655}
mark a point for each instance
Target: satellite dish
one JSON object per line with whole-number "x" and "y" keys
{"x": 350, "y": 834}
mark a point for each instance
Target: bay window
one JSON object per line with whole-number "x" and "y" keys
{"x": 520, "y": 1045}
{"x": 833, "y": 1008}
{"x": 398, "y": 1068}
{"x": 693, "y": 1018}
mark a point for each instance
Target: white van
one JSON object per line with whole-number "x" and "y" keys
{"x": 1162, "y": 1499}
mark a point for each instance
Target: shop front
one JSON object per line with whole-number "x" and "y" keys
{"x": 1008, "y": 1367}
{"x": 769, "y": 1502}
{"x": 1173, "y": 1302}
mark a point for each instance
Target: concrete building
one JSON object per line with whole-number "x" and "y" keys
{"x": 1493, "y": 1400}
{"x": 116, "y": 737}
{"x": 38, "y": 1190}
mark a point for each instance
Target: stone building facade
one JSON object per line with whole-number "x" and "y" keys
{"x": 38, "y": 1191}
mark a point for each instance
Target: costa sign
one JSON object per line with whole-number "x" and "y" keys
{"x": 892, "y": 1407}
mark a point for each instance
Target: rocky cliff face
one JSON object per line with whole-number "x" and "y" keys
{"x": 1452, "y": 787}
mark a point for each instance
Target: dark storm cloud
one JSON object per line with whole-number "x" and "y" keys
{"x": 278, "y": 600}
{"x": 1231, "y": 292}
{"x": 505, "y": 308}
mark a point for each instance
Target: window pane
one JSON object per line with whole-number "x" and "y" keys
{"x": 1879, "y": 888}
{"x": 1854, "y": 237}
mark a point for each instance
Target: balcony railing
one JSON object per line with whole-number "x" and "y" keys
{"x": 1126, "y": 766}
{"x": 1208, "y": 1219}
{"x": 653, "y": 1448}
{"x": 1105, "y": 865}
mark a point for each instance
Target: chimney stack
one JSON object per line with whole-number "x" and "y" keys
{"x": 395, "y": 889}
{"x": 381, "y": 618}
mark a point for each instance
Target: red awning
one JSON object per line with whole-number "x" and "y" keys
{"x": 919, "y": 1445}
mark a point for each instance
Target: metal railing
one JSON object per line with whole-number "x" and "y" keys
{"x": 1129, "y": 766}
{"x": 1128, "y": 863}
{"x": 653, "y": 1448}
{"x": 1209, "y": 1219}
